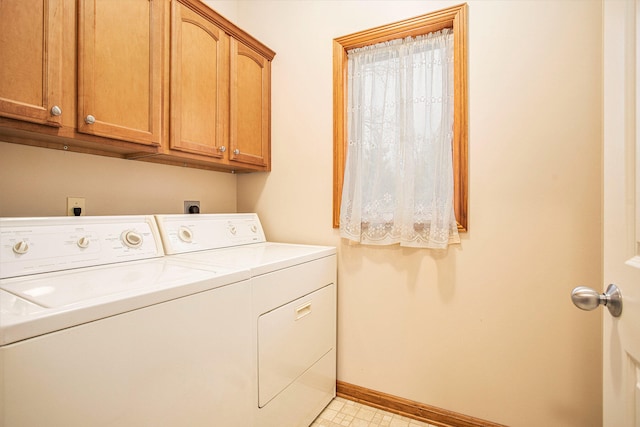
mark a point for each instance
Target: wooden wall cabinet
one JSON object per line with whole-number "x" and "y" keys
{"x": 250, "y": 106}
{"x": 43, "y": 55}
{"x": 220, "y": 91}
{"x": 31, "y": 70}
{"x": 199, "y": 78}
{"x": 166, "y": 81}
{"x": 120, "y": 69}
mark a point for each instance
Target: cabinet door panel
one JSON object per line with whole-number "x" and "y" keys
{"x": 199, "y": 81}
{"x": 119, "y": 69}
{"x": 30, "y": 52}
{"x": 250, "y": 106}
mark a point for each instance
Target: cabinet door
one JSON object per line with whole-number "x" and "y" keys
{"x": 250, "y": 106}
{"x": 31, "y": 60}
{"x": 120, "y": 69}
{"x": 199, "y": 83}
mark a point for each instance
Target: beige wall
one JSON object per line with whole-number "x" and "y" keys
{"x": 226, "y": 8}
{"x": 36, "y": 182}
{"x": 487, "y": 329}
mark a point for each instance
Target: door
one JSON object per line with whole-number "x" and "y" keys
{"x": 621, "y": 335}
{"x": 199, "y": 83}
{"x": 31, "y": 52}
{"x": 250, "y": 106}
{"x": 120, "y": 69}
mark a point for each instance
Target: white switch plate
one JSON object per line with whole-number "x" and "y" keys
{"x": 75, "y": 202}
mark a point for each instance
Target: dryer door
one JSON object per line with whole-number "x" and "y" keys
{"x": 292, "y": 338}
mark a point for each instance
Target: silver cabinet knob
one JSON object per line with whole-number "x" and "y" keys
{"x": 588, "y": 299}
{"x": 236, "y": 151}
{"x": 222, "y": 148}
{"x": 89, "y": 119}
{"x": 56, "y": 111}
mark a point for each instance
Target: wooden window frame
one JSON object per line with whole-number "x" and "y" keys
{"x": 454, "y": 17}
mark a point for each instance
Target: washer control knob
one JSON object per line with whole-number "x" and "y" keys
{"x": 254, "y": 228}
{"x": 83, "y": 242}
{"x": 21, "y": 247}
{"x": 132, "y": 239}
{"x": 232, "y": 229}
{"x": 185, "y": 234}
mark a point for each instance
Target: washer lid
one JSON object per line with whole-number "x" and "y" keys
{"x": 43, "y": 303}
{"x": 116, "y": 281}
{"x": 11, "y": 305}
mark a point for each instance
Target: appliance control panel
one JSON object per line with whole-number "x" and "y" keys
{"x": 41, "y": 245}
{"x": 190, "y": 233}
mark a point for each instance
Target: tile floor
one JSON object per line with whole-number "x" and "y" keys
{"x": 346, "y": 413}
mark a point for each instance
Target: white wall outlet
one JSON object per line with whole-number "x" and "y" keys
{"x": 76, "y": 206}
{"x": 191, "y": 206}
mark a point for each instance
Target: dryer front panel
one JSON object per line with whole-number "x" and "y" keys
{"x": 292, "y": 338}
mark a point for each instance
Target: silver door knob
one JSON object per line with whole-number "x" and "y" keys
{"x": 89, "y": 119}
{"x": 236, "y": 151}
{"x": 56, "y": 111}
{"x": 588, "y": 299}
{"x": 222, "y": 148}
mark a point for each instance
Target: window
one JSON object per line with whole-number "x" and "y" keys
{"x": 452, "y": 18}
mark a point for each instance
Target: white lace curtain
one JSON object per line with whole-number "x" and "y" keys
{"x": 398, "y": 183}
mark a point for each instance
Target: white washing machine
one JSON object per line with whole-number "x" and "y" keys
{"x": 98, "y": 328}
{"x": 293, "y": 310}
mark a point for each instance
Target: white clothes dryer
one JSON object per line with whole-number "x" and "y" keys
{"x": 293, "y": 309}
{"x": 98, "y": 328}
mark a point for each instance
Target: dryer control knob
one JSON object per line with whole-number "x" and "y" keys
{"x": 185, "y": 234}
{"x": 21, "y": 247}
